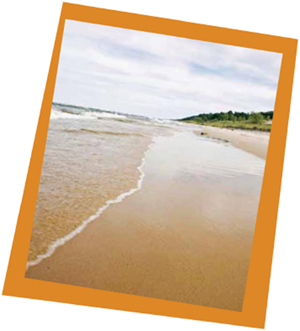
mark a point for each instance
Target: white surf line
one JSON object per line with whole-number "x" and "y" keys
{"x": 61, "y": 241}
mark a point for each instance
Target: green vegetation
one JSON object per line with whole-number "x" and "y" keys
{"x": 234, "y": 120}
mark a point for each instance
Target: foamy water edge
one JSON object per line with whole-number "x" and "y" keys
{"x": 61, "y": 241}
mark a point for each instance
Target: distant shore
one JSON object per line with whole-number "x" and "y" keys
{"x": 257, "y": 121}
{"x": 254, "y": 142}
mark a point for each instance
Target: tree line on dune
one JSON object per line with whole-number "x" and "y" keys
{"x": 254, "y": 117}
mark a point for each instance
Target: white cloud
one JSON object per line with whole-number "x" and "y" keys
{"x": 161, "y": 76}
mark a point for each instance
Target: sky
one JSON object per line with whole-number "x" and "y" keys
{"x": 161, "y": 76}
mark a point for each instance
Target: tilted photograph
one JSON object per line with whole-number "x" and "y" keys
{"x": 153, "y": 166}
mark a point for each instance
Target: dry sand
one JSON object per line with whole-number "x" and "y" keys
{"x": 254, "y": 142}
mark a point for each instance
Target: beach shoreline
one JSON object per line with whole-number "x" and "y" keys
{"x": 168, "y": 240}
{"x": 254, "y": 142}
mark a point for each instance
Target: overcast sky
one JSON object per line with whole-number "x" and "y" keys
{"x": 161, "y": 76}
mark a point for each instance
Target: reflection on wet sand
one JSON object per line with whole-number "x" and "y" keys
{"x": 185, "y": 236}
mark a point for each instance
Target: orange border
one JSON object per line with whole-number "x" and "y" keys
{"x": 255, "y": 301}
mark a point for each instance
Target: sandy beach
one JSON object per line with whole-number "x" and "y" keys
{"x": 254, "y": 142}
{"x": 185, "y": 235}
{"x": 137, "y": 198}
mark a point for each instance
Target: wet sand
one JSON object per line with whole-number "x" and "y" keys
{"x": 185, "y": 236}
{"x": 86, "y": 163}
{"x": 254, "y": 142}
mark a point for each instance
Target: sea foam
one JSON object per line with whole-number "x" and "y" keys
{"x": 58, "y": 114}
{"x": 61, "y": 241}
